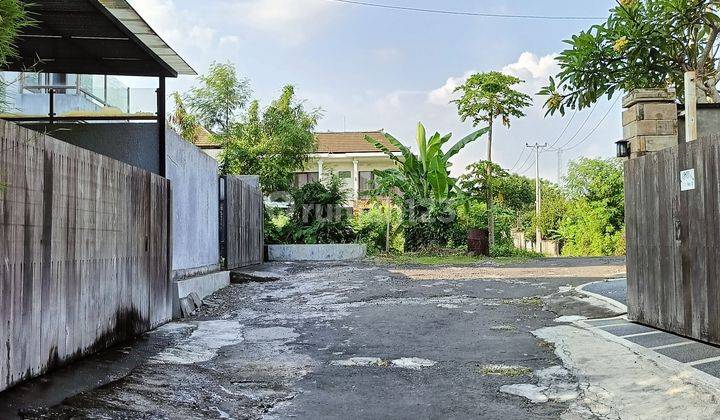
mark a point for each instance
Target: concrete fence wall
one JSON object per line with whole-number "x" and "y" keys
{"x": 83, "y": 252}
{"x": 195, "y": 208}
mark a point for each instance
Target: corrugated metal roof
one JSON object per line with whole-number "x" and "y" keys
{"x": 92, "y": 37}
{"x": 129, "y": 17}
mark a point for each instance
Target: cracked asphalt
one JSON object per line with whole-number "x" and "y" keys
{"x": 340, "y": 340}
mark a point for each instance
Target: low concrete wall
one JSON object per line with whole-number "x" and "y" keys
{"x": 204, "y": 286}
{"x": 330, "y": 252}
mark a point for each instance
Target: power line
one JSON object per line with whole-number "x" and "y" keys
{"x": 522, "y": 152}
{"x": 463, "y": 13}
{"x": 564, "y": 130}
{"x": 522, "y": 169}
{"x": 584, "y": 123}
{"x": 597, "y": 126}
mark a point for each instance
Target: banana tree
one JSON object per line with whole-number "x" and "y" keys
{"x": 423, "y": 180}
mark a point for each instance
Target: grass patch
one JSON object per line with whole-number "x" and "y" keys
{"x": 503, "y": 328}
{"x": 505, "y": 370}
{"x": 444, "y": 256}
{"x": 526, "y": 301}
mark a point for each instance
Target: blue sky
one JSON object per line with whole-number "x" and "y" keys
{"x": 371, "y": 68}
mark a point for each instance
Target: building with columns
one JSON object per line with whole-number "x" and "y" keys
{"x": 349, "y": 156}
{"x": 346, "y": 154}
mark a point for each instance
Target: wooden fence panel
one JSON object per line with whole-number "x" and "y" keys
{"x": 673, "y": 240}
{"x": 83, "y": 252}
{"x": 243, "y": 213}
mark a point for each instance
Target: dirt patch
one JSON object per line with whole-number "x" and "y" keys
{"x": 475, "y": 273}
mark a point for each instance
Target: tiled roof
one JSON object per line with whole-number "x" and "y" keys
{"x": 204, "y": 140}
{"x": 341, "y": 142}
{"x": 351, "y": 142}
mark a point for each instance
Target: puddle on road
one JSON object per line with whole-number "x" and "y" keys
{"x": 412, "y": 363}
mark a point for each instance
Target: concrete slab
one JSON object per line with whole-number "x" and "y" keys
{"x": 602, "y": 322}
{"x": 712, "y": 368}
{"x": 691, "y": 352}
{"x": 655, "y": 340}
{"x": 628, "y": 329}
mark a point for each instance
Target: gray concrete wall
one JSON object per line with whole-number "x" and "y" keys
{"x": 708, "y": 122}
{"x": 193, "y": 179}
{"x": 133, "y": 143}
{"x": 328, "y": 252}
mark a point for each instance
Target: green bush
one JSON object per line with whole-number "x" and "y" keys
{"x": 319, "y": 216}
{"x": 506, "y": 248}
{"x": 371, "y": 229}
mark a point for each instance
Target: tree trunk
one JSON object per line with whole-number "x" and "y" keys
{"x": 491, "y": 215}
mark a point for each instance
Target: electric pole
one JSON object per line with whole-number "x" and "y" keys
{"x": 538, "y": 193}
{"x": 559, "y": 175}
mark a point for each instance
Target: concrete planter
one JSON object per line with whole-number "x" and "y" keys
{"x": 328, "y": 252}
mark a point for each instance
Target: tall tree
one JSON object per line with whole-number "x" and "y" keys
{"x": 219, "y": 99}
{"x": 643, "y": 44}
{"x": 183, "y": 121}
{"x": 273, "y": 143}
{"x": 485, "y": 98}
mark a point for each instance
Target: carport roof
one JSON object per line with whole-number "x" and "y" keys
{"x": 93, "y": 37}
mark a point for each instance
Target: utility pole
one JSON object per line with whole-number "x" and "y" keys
{"x": 538, "y": 193}
{"x": 559, "y": 175}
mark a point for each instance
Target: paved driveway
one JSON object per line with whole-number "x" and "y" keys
{"x": 331, "y": 341}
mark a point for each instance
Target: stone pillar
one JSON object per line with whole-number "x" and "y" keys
{"x": 320, "y": 170}
{"x": 650, "y": 121}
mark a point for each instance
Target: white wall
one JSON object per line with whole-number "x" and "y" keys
{"x": 194, "y": 184}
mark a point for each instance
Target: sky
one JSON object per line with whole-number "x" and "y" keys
{"x": 371, "y": 68}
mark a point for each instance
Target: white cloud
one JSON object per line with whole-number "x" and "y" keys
{"x": 445, "y": 93}
{"x": 399, "y": 111}
{"x": 177, "y": 27}
{"x": 529, "y": 66}
{"x": 290, "y": 20}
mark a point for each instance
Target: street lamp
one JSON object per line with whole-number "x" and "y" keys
{"x": 622, "y": 148}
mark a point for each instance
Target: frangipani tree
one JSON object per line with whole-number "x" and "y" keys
{"x": 485, "y": 98}
{"x": 423, "y": 181}
{"x": 643, "y": 44}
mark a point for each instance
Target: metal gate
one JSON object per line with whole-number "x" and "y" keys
{"x": 241, "y": 223}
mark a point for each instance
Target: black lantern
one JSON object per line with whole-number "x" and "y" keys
{"x": 622, "y": 148}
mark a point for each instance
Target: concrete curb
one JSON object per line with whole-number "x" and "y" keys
{"x": 662, "y": 360}
{"x": 612, "y": 302}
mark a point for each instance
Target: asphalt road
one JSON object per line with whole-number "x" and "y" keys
{"x": 613, "y": 289}
{"x": 336, "y": 340}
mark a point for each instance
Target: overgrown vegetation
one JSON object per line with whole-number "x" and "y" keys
{"x": 13, "y": 17}
{"x": 273, "y": 142}
{"x": 421, "y": 186}
{"x": 643, "y": 44}
{"x": 318, "y": 216}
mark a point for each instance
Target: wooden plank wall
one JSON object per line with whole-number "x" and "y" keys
{"x": 673, "y": 240}
{"x": 83, "y": 252}
{"x": 243, "y": 217}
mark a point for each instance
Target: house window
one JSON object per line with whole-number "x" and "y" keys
{"x": 344, "y": 174}
{"x": 302, "y": 178}
{"x": 366, "y": 180}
